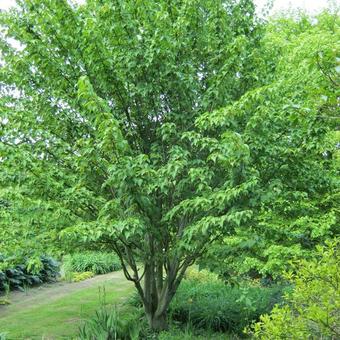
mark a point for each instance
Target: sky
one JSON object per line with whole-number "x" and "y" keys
{"x": 311, "y": 6}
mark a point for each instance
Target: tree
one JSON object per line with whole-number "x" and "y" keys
{"x": 291, "y": 126}
{"x": 98, "y": 109}
{"x": 155, "y": 129}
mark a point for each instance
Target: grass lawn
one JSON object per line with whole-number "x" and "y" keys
{"x": 60, "y": 318}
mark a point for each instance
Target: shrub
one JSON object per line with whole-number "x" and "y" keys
{"x": 95, "y": 262}
{"x": 218, "y": 307}
{"x": 109, "y": 323}
{"x": 200, "y": 275}
{"x": 313, "y": 306}
{"x": 4, "y": 301}
{"x": 20, "y": 276}
{"x": 77, "y": 277}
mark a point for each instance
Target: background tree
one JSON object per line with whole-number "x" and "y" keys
{"x": 98, "y": 106}
{"x": 291, "y": 127}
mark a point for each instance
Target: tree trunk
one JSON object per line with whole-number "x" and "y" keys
{"x": 159, "y": 290}
{"x": 158, "y": 322}
{"x": 156, "y": 297}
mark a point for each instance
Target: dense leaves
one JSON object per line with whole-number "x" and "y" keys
{"x": 313, "y": 307}
{"x": 222, "y": 308}
{"x": 28, "y": 227}
{"x": 290, "y": 126}
{"x": 110, "y": 323}
{"x": 21, "y": 275}
{"x": 98, "y": 113}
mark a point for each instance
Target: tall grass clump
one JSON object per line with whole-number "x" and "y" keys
{"x": 91, "y": 261}
{"x": 222, "y": 308}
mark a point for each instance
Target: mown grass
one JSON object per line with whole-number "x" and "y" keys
{"x": 60, "y": 318}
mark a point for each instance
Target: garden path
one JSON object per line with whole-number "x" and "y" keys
{"x": 53, "y": 291}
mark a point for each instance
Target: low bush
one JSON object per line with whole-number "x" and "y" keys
{"x": 312, "y": 310}
{"x": 218, "y": 307}
{"x": 4, "y": 301}
{"x": 201, "y": 275}
{"x": 95, "y": 262}
{"x": 77, "y": 277}
{"x": 19, "y": 276}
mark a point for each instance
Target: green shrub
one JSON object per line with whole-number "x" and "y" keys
{"x": 109, "y": 323}
{"x": 4, "y": 301}
{"x": 20, "y": 276}
{"x": 218, "y": 307}
{"x": 95, "y": 262}
{"x": 200, "y": 275}
{"x": 313, "y": 307}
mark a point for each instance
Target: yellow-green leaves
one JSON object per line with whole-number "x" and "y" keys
{"x": 313, "y": 306}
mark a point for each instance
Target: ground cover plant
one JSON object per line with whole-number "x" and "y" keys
{"x": 111, "y": 323}
{"x": 204, "y": 303}
{"x": 84, "y": 265}
{"x": 160, "y": 132}
{"x": 21, "y": 275}
{"x": 77, "y": 277}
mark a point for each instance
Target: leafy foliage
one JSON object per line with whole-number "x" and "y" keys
{"x": 200, "y": 275}
{"x": 290, "y": 125}
{"x": 95, "y": 262}
{"x": 77, "y": 277}
{"x": 156, "y": 130}
{"x": 26, "y": 227}
{"x": 104, "y": 127}
{"x": 110, "y": 323}
{"x": 21, "y": 275}
{"x": 4, "y": 301}
{"x": 313, "y": 307}
{"x": 216, "y": 306}
{"x": 190, "y": 333}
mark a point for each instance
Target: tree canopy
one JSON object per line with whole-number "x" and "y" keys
{"x": 291, "y": 126}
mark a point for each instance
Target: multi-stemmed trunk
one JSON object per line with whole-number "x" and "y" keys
{"x": 158, "y": 292}
{"x": 161, "y": 275}
{"x": 157, "y": 322}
